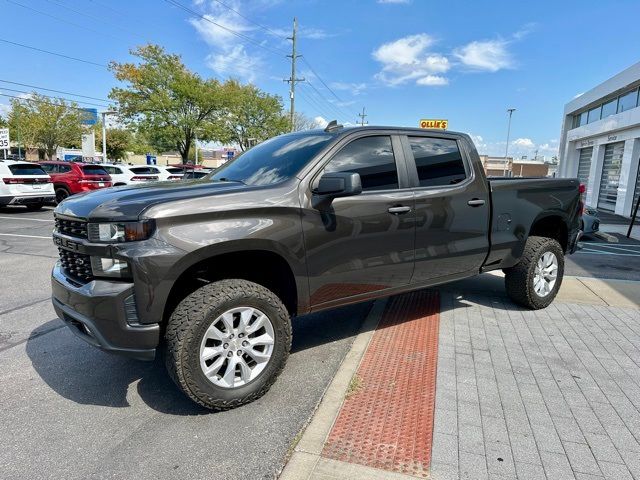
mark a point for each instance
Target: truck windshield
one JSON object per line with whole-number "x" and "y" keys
{"x": 274, "y": 160}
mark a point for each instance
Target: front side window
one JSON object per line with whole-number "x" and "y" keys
{"x": 438, "y": 161}
{"x": 370, "y": 157}
{"x": 64, "y": 168}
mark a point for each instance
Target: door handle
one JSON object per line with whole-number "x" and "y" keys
{"x": 399, "y": 210}
{"x": 475, "y": 202}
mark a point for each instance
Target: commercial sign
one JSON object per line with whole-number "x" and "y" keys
{"x": 89, "y": 145}
{"x": 4, "y": 139}
{"x": 439, "y": 124}
{"x": 89, "y": 116}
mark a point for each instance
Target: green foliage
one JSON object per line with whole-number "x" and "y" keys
{"x": 46, "y": 123}
{"x": 119, "y": 142}
{"x": 3, "y": 122}
{"x": 250, "y": 115}
{"x": 165, "y": 101}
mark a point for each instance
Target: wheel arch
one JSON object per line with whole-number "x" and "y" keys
{"x": 553, "y": 225}
{"x": 261, "y": 262}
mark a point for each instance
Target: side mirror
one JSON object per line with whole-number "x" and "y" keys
{"x": 338, "y": 184}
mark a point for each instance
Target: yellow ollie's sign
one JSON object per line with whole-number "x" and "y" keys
{"x": 432, "y": 123}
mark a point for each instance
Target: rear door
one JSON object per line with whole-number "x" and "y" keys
{"x": 361, "y": 244}
{"x": 451, "y": 207}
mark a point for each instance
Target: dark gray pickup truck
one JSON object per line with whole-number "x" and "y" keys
{"x": 209, "y": 272}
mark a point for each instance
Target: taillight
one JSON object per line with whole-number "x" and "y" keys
{"x": 582, "y": 188}
{"x": 17, "y": 181}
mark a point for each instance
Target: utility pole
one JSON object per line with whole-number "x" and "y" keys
{"x": 506, "y": 152}
{"x": 292, "y": 80}
{"x": 195, "y": 145}
{"x": 362, "y": 117}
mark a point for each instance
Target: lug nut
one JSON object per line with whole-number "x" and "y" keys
{"x": 241, "y": 335}
{"x": 231, "y": 336}
{"x": 229, "y": 354}
{"x": 225, "y": 346}
{"x": 239, "y": 353}
{"x": 245, "y": 343}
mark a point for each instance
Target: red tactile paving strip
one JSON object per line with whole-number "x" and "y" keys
{"x": 388, "y": 422}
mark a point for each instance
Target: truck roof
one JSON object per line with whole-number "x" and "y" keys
{"x": 357, "y": 128}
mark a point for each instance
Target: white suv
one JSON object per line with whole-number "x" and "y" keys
{"x": 132, "y": 174}
{"x": 25, "y": 183}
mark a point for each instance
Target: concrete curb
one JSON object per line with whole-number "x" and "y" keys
{"x": 306, "y": 454}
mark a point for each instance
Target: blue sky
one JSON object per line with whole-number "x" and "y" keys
{"x": 401, "y": 59}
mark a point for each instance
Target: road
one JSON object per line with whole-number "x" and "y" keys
{"x": 606, "y": 256}
{"x": 71, "y": 411}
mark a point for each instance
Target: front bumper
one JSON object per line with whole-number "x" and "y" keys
{"x": 26, "y": 199}
{"x": 102, "y": 313}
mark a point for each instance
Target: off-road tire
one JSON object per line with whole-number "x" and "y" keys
{"x": 519, "y": 279}
{"x": 34, "y": 207}
{"x": 190, "y": 320}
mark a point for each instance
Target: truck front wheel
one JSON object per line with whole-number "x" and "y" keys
{"x": 227, "y": 342}
{"x": 534, "y": 282}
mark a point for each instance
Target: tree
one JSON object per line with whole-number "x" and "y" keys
{"x": 3, "y": 122}
{"x": 250, "y": 115}
{"x": 165, "y": 101}
{"x": 119, "y": 142}
{"x": 302, "y": 122}
{"x": 46, "y": 123}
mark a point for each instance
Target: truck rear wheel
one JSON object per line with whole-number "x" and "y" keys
{"x": 534, "y": 282}
{"x": 227, "y": 342}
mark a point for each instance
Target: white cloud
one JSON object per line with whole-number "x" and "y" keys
{"x": 408, "y": 59}
{"x": 524, "y": 31}
{"x": 433, "y": 80}
{"x": 352, "y": 88}
{"x": 229, "y": 56}
{"x": 523, "y": 142}
{"x": 321, "y": 122}
{"x": 487, "y": 55}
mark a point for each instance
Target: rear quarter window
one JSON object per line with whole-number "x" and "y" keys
{"x": 94, "y": 170}
{"x": 438, "y": 161}
{"x": 26, "y": 169}
{"x": 144, "y": 170}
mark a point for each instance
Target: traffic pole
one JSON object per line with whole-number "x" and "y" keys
{"x": 104, "y": 137}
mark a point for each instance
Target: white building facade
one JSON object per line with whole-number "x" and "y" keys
{"x": 600, "y": 142}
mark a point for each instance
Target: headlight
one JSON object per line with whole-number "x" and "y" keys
{"x": 110, "y": 267}
{"x": 120, "y": 232}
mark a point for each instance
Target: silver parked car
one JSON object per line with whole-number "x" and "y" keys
{"x": 590, "y": 222}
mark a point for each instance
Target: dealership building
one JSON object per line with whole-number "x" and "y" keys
{"x": 600, "y": 142}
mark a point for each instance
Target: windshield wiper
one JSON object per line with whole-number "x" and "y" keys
{"x": 224, "y": 179}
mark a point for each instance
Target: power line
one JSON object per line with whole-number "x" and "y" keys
{"x": 52, "y": 97}
{"x": 53, "y": 53}
{"x": 230, "y": 30}
{"x": 55, "y": 91}
{"x": 84, "y": 14}
{"x": 266, "y": 29}
{"x": 314, "y": 104}
{"x": 43, "y": 101}
{"x": 58, "y": 18}
{"x": 331, "y": 105}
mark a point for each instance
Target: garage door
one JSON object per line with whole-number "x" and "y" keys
{"x": 584, "y": 165}
{"x": 610, "y": 176}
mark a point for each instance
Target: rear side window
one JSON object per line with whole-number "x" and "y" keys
{"x": 94, "y": 170}
{"x": 50, "y": 168}
{"x": 372, "y": 158}
{"x": 438, "y": 161}
{"x": 174, "y": 170}
{"x": 113, "y": 170}
{"x": 64, "y": 168}
{"x": 144, "y": 170}
{"x": 26, "y": 169}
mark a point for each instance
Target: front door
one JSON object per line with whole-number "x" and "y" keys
{"x": 452, "y": 209}
{"x": 361, "y": 244}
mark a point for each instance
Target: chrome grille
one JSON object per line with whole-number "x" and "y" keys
{"x": 73, "y": 228}
{"x": 76, "y": 265}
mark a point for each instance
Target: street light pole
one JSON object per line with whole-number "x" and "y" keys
{"x": 506, "y": 151}
{"x": 104, "y": 137}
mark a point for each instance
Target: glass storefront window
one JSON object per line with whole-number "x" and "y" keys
{"x": 594, "y": 114}
{"x": 609, "y": 108}
{"x": 628, "y": 101}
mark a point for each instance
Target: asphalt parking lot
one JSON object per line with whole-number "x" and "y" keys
{"x": 71, "y": 411}
{"x": 611, "y": 256}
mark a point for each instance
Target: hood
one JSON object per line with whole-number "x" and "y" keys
{"x": 128, "y": 202}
